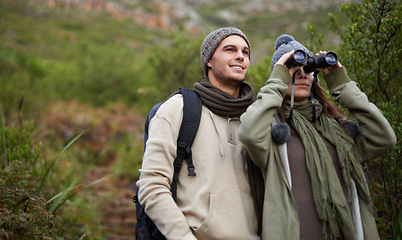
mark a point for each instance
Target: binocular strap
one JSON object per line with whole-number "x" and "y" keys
{"x": 292, "y": 98}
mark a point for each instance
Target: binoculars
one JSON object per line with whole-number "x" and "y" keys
{"x": 311, "y": 61}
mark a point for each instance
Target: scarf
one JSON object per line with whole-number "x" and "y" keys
{"x": 221, "y": 103}
{"x": 331, "y": 204}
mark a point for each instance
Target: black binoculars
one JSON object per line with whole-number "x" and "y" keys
{"x": 311, "y": 61}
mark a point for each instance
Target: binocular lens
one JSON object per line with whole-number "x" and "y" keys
{"x": 331, "y": 58}
{"x": 300, "y": 56}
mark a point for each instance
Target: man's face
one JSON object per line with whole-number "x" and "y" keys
{"x": 229, "y": 64}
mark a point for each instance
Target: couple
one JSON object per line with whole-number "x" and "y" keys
{"x": 314, "y": 183}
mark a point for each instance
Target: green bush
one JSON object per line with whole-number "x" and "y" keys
{"x": 19, "y": 77}
{"x": 371, "y": 53}
{"x": 32, "y": 206}
{"x": 174, "y": 63}
{"x": 23, "y": 211}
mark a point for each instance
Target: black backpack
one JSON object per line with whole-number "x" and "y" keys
{"x": 145, "y": 229}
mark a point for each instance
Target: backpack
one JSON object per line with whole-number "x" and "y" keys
{"x": 145, "y": 229}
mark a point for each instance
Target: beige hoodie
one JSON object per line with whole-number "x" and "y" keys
{"x": 216, "y": 203}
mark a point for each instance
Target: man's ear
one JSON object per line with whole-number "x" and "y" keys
{"x": 209, "y": 64}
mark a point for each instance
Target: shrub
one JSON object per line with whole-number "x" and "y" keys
{"x": 23, "y": 214}
{"x": 371, "y": 51}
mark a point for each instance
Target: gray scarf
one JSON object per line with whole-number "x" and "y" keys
{"x": 221, "y": 103}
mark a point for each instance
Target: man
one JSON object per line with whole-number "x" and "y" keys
{"x": 217, "y": 202}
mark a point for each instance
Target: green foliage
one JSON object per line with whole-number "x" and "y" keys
{"x": 19, "y": 154}
{"x": 397, "y": 233}
{"x": 81, "y": 220}
{"x": 27, "y": 208}
{"x": 130, "y": 153}
{"x": 372, "y": 46}
{"x": 94, "y": 59}
{"x": 258, "y": 74}
{"x": 19, "y": 76}
{"x": 175, "y": 63}
{"x": 372, "y": 53}
{"x": 23, "y": 214}
{"x": 315, "y": 40}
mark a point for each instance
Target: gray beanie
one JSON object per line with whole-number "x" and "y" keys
{"x": 212, "y": 41}
{"x": 284, "y": 44}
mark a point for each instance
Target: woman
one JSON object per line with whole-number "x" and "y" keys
{"x": 314, "y": 183}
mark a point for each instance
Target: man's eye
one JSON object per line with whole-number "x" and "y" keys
{"x": 246, "y": 53}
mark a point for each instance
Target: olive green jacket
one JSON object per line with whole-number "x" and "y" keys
{"x": 280, "y": 218}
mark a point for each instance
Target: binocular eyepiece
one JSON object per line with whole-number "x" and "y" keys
{"x": 311, "y": 61}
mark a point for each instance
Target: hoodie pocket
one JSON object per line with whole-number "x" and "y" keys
{"x": 231, "y": 216}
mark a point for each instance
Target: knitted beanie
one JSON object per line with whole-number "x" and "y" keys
{"x": 284, "y": 44}
{"x": 212, "y": 41}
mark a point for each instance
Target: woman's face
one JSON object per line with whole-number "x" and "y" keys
{"x": 303, "y": 84}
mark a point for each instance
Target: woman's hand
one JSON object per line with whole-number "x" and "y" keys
{"x": 284, "y": 59}
{"x": 330, "y": 68}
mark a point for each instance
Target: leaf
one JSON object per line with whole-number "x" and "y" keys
{"x": 56, "y": 158}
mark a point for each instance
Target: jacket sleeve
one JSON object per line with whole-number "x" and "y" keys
{"x": 255, "y": 123}
{"x": 377, "y": 135}
{"x": 157, "y": 172}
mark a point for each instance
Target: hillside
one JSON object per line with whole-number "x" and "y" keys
{"x": 192, "y": 14}
{"x": 261, "y": 20}
{"x": 73, "y": 40}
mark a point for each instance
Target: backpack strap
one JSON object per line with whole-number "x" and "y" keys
{"x": 192, "y": 107}
{"x": 150, "y": 116}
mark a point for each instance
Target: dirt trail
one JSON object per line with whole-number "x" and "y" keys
{"x": 118, "y": 212}
{"x": 105, "y": 126}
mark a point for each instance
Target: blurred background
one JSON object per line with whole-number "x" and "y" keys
{"x": 78, "y": 77}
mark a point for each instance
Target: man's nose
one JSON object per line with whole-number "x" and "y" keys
{"x": 239, "y": 55}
